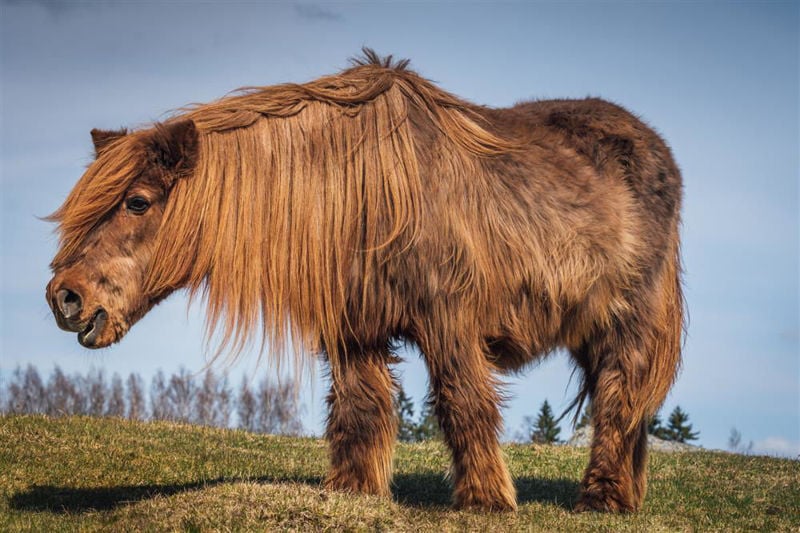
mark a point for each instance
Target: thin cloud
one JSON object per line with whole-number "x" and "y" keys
{"x": 778, "y": 446}
{"x": 317, "y": 12}
{"x": 55, "y": 8}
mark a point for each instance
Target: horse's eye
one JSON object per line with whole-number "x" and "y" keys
{"x": 137, "y": 205}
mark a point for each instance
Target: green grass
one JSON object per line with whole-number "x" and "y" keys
{"x": 89, "y": 474}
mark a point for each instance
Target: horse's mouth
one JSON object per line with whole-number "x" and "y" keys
{"x": 88, "y": 337}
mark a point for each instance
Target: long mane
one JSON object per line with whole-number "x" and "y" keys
{"x": 298, "y": 190}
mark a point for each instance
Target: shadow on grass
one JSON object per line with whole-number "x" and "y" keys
{"x": 560, "y": 492}
{"x": 432, "y": 490}
{"x": 414, "y": 490}
{"x": 78, "y": 500}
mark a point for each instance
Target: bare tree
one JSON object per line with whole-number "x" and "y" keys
{"x": 96, "y": 391}
{"x": 3, "y": 394}
{"x": 26, "y": 392}
{"x": 223, "y": 406}
{"x": 278, "y": 410}
{"x": 267, "y": 401}
{"x": 289, "y": 410}
{"x": 181, "y": 393}
{"x": 204, "y": 400}
{"x": 15, "y": 399}
{"x": 736, "y": 445}
{"x": 246, "y": 407}
{"x": 116, "y": 398}
{"x": 137, "y": 409}
{"x": 160, "y": 407}
{"x": 269, "y": 408}
{"x": 63, "y": 396}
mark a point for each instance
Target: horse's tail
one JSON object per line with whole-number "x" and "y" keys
{"x": 666, "y": 338}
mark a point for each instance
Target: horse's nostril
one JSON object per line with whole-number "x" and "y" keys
{"x": 69, "y": 303}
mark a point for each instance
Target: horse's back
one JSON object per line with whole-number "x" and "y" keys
{"x": 603, "y": 162}
{"x": 612, "y": 140}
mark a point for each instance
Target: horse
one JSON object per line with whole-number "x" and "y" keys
{"x": 336, "y": 217}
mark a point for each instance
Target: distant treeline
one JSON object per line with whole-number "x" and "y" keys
{"x": 207, "y": 399}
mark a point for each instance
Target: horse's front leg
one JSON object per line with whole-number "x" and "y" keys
{"x": 466, "y": 402}
{"x": 362, "y": 425}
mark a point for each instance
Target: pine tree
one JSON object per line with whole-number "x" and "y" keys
{"x": 586, "y": 417}
{"x": 544, "y": 430}
{"x": 678, "y": 429}
{"x": 404, "y": 408}
{"x": 428, "y": 426}
{"x": 657, "y": 429}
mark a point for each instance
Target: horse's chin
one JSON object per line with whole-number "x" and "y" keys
{"x": 105, "y": 327}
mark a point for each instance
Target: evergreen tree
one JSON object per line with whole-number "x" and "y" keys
{"x": 428, "y": 426}
{"x": 545, "y": 430}
{"x": 586, "y": 417}
{"x": 404, "y": 408}
{"x": 656, "y": 428}
{"x": 678, "y": 428}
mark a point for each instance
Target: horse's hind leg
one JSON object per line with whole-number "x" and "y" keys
{"x": 628, "y": 369}
{"x": 362, "y": 425}
{"x": 628, "y": 372}
{"x": 466, "y": 403}
{"x": 615, "y": 478}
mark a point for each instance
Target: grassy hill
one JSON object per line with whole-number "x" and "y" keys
{"x": 92, "y": 474}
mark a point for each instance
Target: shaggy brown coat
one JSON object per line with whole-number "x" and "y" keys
{"x": 370, "y": 206}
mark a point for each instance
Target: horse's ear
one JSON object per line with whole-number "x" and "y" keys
{"x": 174, "y": 146}
{"x": 101, "y": 138}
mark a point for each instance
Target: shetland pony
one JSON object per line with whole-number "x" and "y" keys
{"x": 369, "y": 206}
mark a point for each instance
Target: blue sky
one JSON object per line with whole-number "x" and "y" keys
{"x": 719, "y": 80}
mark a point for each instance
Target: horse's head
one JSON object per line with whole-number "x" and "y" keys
{"x": 108, "y": 227}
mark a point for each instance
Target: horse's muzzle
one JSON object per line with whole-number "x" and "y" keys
{"x": 67, "y": 307}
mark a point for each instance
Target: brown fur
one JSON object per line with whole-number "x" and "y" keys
{"x": 369, "y": 206}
